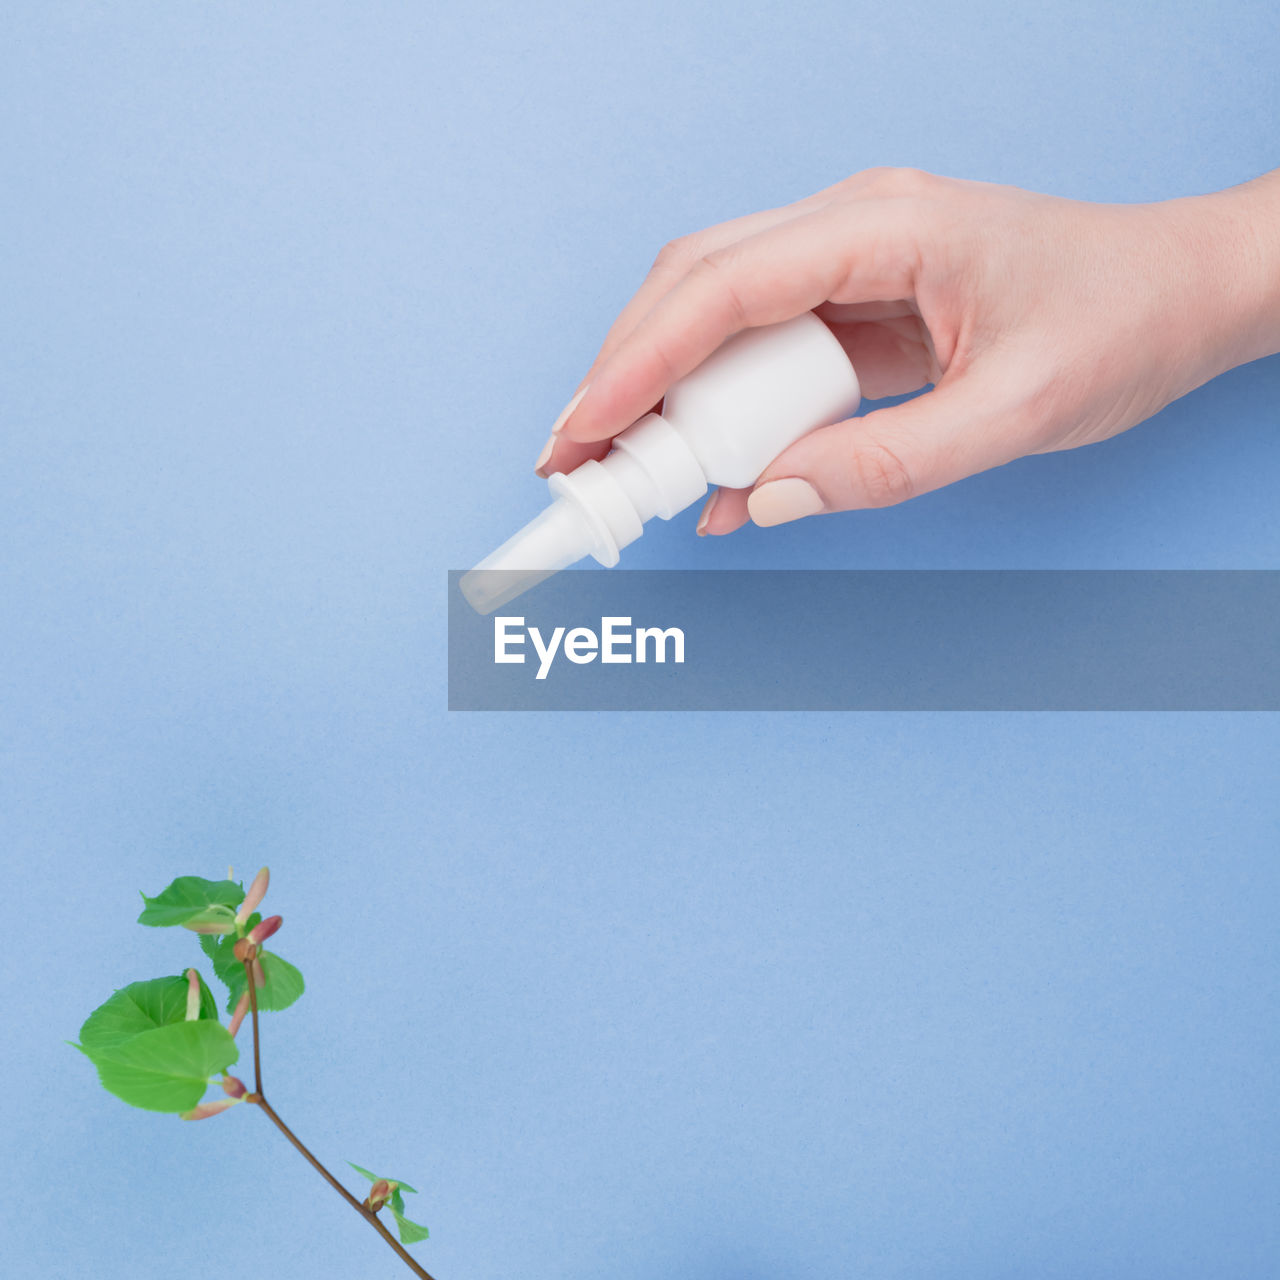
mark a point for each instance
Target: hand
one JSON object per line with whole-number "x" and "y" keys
{"x": 1042, "y": 324}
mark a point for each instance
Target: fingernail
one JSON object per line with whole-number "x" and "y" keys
{"x": 778, "y": 501}
{"x": 544, "y": 457}
{"x": 706, "y": 513}
{"x": 558, "y": 425}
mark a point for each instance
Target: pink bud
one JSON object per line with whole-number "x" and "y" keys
{"x": 379, "y": 1193}
{"x": 207, "y": 1109}
{"x": 265, "y": 928}
{"x": 193, "y": 995}
{"x": 257, "y": 891}
{"x": 259, "y": 977}
{"x": 242, "y": 1007}
{"x": 233, "y": 1087}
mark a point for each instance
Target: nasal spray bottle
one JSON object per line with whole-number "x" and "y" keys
{"x": 722, "y": 424}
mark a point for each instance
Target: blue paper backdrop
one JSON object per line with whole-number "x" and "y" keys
{"x": 291, "y": 294}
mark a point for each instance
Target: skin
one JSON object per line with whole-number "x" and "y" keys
{"x": 1040, "y": 324}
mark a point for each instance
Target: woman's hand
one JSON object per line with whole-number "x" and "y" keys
{"x": 1043, "y": 324}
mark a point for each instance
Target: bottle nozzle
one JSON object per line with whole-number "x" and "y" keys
{"x": 551, "y": 541}
{"x": 598, "y": 508}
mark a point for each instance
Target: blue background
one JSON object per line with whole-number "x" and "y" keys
{"x": 291, "y": 294}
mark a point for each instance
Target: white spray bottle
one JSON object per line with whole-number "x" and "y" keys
{"x": 722, "y": 424}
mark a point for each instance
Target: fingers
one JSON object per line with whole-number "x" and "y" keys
{"x": 669, "y": 268}
{"x": 725, "y": 511}
{"x": 890, "y": 455}
{"x": 858, "y": 253}
{"x": 675, "y": 259}
{"x": 559, "y": 454}
{"x": 892, "y": 356}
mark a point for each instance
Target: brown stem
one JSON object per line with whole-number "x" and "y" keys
{"x": 381, "y": 1229}
{"x": 366, "y": 1213}
{"x": 363, "y": 1210}
{"x": 253, "y": 1009}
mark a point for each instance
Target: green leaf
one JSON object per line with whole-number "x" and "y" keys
{"x": 167, "y": 1068}
{"x": 221, "y": 950}
{"x": 225, "y": 965}
{"x": 139, "y": 1007}
{"x": 192, "y": 899}
{"x": 212, "y": 920}
{"x": 410, "y": 1232}
{"x": 397, "y": 1201}
{"x": 283, "y": 983}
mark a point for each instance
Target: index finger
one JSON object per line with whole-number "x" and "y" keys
{"x": 852, "y": 252}
{"x": 561, "y": 454}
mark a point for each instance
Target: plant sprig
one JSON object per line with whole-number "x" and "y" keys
{"x": 158, "y": 1044}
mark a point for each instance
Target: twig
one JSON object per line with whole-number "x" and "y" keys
{"x": 363, "y": 1210}
{"x": 253, "y": 1009}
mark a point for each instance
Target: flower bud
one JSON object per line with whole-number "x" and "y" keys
{"x": 379, "y": 1194}
{"x": 233, "y": 1087}
{"x": 207, "y": 1109}
{"x": 265, "y": 928}
{"x": 193, "y": 995}
{"x": 211, "y": 927}
{"x": 257, "y": 891}
{"x": 259, "y": 975}
{"x": 242, "y": 1007}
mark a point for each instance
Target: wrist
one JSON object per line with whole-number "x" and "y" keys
{"x": 1232, "y": 239}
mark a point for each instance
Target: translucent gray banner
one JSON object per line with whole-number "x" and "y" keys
{"x": 952, "y": 640}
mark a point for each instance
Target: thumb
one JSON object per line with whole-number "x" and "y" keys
{"x": 888, "y": 456}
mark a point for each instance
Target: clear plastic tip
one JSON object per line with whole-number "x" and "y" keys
{"x": 551, "y": 541}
